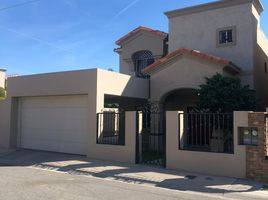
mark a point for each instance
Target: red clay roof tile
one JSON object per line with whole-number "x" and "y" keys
{"x": 192, "y": 52}
{"x": 162, "y": 34}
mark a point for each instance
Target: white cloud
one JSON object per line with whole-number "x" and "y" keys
{"x": 126, "y": 8}
{"x": 33, "y": 38}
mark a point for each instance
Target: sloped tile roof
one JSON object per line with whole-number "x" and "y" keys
{"x": 161, "y": 34}
{"x": 192, "y": 52}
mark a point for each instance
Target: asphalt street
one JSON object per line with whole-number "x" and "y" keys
{"x": 23, "y": 183}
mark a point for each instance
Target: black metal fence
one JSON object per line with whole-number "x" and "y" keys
{"x": 209, "y": 132}
{"x": 111, "y": 128}
{"x": 151, "y": 138}
{"x": 266, "y": 135}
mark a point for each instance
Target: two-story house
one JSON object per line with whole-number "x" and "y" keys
{"x": 65, "y": 111}
{"x": 223, "y": 36}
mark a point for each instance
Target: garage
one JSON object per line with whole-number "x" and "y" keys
{"x": 54, "y": 123}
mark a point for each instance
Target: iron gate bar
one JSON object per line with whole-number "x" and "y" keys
{"x": 208, "y": 132}
{"x": 110, "y": 128}
{"x": 151, "y": 138}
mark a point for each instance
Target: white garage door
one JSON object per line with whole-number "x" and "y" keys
{"x": 56, "y": 123}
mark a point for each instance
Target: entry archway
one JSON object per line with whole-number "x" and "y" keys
{"x": 183, "y": 99}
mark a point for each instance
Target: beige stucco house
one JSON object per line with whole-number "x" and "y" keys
{"x": 225, "y": 30}
{"x": 61, "y": 111}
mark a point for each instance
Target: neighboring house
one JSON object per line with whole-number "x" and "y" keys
{"x": 2, "y": 78}
{"x": 158, "y": 72}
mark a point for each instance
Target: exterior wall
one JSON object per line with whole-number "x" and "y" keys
{"x": 94, "y": 83}
{"x": 257, "y": 164}
{"x": 261, "y": 78}
{"x": 111, "y": 83}
{"x": 143, "y": 41}
{"x": 2, "y": 78}
{"x": 232, "y": 165}
{"x": 118, "y": 153}
{"x": 52, "y": 84}
{"x": 183, "y": 73}
{"x": 203, "y": 38}
{"x": 5, "y": 110}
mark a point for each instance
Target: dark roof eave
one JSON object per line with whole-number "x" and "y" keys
{"x": 232, "y": 69}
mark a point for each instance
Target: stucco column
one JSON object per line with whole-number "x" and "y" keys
{"x": 172, "y": 137}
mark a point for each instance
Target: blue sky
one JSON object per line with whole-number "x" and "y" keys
{"x": 57, "y": 35}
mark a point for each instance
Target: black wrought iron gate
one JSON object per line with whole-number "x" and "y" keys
{"x": 151, "y": 138}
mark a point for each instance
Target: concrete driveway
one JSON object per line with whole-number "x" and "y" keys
{"x": 43, "y": 167}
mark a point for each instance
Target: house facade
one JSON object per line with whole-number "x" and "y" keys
{"x": 220, "y": 31}
{"x": 72, "y": 112}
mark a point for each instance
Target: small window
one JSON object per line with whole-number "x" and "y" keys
{"x": 226, "y": 36}
{"x": 142, "y": 59}
{"x": 265, "y": 67}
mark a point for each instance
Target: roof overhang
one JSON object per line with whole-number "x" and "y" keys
{"x": 140, "y": 29}
{"x": 212, "y": 6}
{"x": 228, "y": 66}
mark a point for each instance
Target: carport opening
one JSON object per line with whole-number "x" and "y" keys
{"x": 111, "y": 121}
{"x": 180, "y": 100}
{"x": 122, "y": 104}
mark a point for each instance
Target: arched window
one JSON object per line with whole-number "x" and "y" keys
{"x": 142, "y": 59}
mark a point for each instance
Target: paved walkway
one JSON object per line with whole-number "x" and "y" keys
{"x": 137, "y": 174}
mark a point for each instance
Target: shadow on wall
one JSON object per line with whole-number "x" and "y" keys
{"x": 136, "y": 88}
{"x": 139, "y": 174}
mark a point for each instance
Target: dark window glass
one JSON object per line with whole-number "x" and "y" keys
{"x": 265, "y": 67}
{"x": 142, "y": 59}
{"x": 230, "y": 36}
{"x": 226, "y": 36}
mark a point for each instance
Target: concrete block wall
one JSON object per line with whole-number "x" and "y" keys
{"x": 126, "y": 153}
{"x": 220, "y": 164}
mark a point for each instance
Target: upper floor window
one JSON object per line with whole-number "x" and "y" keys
{"x": 142, "y": 59}
{"x": 226, "y": 36}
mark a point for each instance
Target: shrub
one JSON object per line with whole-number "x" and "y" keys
{"x": 226, "y": 94}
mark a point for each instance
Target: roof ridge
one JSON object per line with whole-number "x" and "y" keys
{"x": 162, "y": 34}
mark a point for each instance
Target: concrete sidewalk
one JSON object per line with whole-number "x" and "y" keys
{"x": 138, "y": 174}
